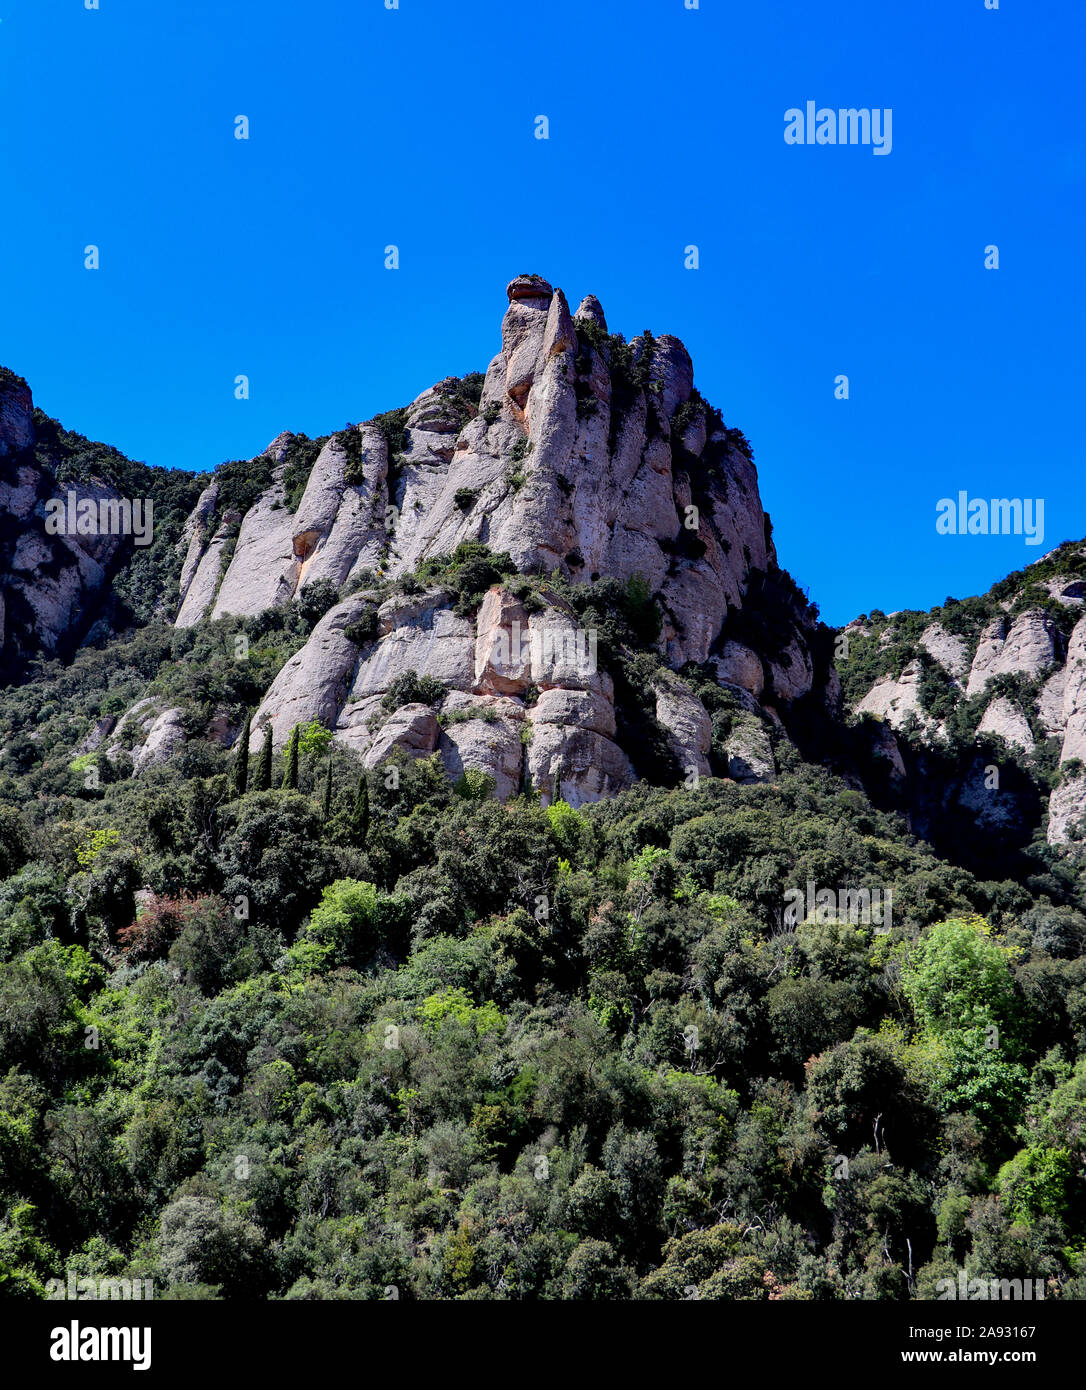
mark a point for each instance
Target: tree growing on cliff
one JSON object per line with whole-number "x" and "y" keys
{"x": 264, "y": 774}
{"x": 240, "y": 777}
{"x": 290, "y": 775}
{"x": 360, "y": 815}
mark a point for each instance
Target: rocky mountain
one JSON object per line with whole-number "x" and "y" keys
{"x": 583, "y": 458}
{"x": 463, "y": 818}
{"x": 558, "y": 576}
{"x": 979, "y": 704}
{"x": 64, "y": 575}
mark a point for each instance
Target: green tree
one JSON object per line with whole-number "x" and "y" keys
{"x": 240, "y": 779}
{"x": 313, "y": 738}
{"x": 958, "y": 981}
{"x": 1038, "y": 1182}
{"x": 360, "y": 815}
{"x": 15, "y": 848}
{"x": 343, "y": 929}
{"x": 956, "y": 977}
{"x": 203, "y": 1243}
{"x": 328, "y": 792}
{"x": 290, "y": 773}
{"x": 264, "y": 774}
{"x": 271, "y": 855}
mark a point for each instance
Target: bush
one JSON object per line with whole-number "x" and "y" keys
{"x": 15, "y": 843}
{"x": 315, "y": 600}
{"x": 412, "y": 689}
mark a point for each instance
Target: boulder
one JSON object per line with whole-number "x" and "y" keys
{"x": 947, "y": 649}
{"x": 315, "y": 682}
{"x": 749, "y": 752}
{"x": 164, "y": 738}
{"x": 590, "y": 310}
{"x": 1006, "y": 721}
{"x": 586, "y": 765}
{"x": 738, "y": 665}
{"x": 577, "y": 709}
{"x": 792, "y": 675}
{"x": 687, "y": 726}
{"x": 895, "y": 700}
{"x": 483, "y": 734}
{"x": 420, "y": 634}
{"x": 1025, "y": 647}
{"x": 412, "y": 728}
{"x": 503, "y": 660}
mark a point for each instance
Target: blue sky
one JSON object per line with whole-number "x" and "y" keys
{"x": 415, "y": 127}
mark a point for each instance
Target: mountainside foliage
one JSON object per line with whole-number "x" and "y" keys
{"x": 412, "y": 1038}
{"x": 275, "y": 1025}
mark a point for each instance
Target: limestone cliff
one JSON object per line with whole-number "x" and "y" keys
{"x": 47, "y": 581}
{"x": 1003, "y": 675}
{"x": 582, "y": 458}
{"x": 557, "y": 573}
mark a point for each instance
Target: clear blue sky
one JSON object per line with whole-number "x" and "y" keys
{"x": 415, "y": 127}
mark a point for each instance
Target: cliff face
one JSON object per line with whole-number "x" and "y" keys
{"x": 559, "y": 574}
{"x": 1005, "y": 674}
{"x": 48, "y": 582}
{"x": 583, "y": 458}
{"x": 571, "y": 462}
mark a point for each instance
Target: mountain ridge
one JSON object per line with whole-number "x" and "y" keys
{"x": 580, "y": 486}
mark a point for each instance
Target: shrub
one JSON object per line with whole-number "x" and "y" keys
{"x": 412, "y": 689}
{"x": 315, "y": 600}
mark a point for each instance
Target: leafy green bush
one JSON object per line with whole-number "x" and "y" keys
{"x": 412, "y": 689}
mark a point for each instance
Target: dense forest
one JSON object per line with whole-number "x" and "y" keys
{"x": 278, "y": 1027}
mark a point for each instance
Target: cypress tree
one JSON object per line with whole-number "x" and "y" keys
{"x": 264, "y": 774}
{"x": 290, "y": 776}
{"x": 328, "y": 791}
{"x": 241, "y": 759}
{"x": 360, "y": 816}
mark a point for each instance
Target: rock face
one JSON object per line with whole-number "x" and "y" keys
{"x": 1027, "y": 647}
{"x": 1020, "y": 680}
{"x": 738, "y": 665}
{"x": 164, "y": 737}
{"x": 590, "y": 473}
{"x": 895, "y": 700}
{"x": 750, "y": 753}
{"x": 48, "y": 582}
{"x": 577, "y": 460}
{"x": 688, "y": 727}
{"x": 149, "y": 733}
{"x": 1067, "y": 807}
{"x": 585, "y": 458}
{"x": 1006, "y": 721}
{"x": 948, "y": 650}
{"x": 486, "y": 673}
